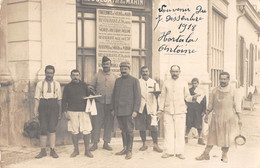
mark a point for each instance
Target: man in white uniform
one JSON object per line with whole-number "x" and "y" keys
{"x": 172, "y": 104}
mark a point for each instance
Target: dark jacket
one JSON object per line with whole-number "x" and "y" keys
{"x": 73, "y": 94}
{"x": 126, "y": 96}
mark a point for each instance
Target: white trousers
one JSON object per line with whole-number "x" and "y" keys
{"x": 174, "y": 133}
{"x": 79, "y": 122}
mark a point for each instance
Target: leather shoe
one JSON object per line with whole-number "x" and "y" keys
{"x": 143, "y": 148}
{"x": 157, "y": 148}
{"x": 53, "y": 154}
{"x": 107, "y": 147}
{"x": 180, "y": 156}
{"x": 41, "y": 154}
{"x": 128, "y": 155}
{"x": 93, "y": 147}
{"x": 166, "y": 155}
{"x": 122, "y": 152}
{"x": 88, "y": 154}
{"x": 75, "y": 153}
{"x": 203, "y": 156}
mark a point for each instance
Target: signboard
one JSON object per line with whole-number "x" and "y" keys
{"x": 116, "y": 3}
{"x": 114, "y": 29}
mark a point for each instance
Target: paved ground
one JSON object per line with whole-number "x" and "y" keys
{"x": 246, "y": 156}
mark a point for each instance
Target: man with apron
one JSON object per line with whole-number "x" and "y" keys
{"x": 225, "y": 104}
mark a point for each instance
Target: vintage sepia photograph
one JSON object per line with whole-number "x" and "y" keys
{"x": 130, "y": 83}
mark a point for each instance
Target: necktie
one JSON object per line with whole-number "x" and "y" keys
{"x": 49, "y": 87}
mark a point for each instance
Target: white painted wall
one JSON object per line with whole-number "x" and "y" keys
{"x": 192, "y": 65}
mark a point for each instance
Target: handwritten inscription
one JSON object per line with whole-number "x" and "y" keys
{"x": 182, "y": 24}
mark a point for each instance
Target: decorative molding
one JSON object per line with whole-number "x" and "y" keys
{"x": 250, "y": 12}
{"x": 221, "y": 6}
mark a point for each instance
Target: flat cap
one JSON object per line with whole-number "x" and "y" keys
{"x": 125, "y": 64}
{"x": 105, "y": 59}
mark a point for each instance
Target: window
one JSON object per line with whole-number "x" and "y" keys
{"x": 217, "y": 47}
{"x": 251, "y": 65}
{"x": 86, "y": 39}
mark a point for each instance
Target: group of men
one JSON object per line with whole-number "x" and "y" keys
{"x": 135, "y": 106}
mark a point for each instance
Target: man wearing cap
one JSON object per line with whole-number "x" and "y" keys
{"x": 103, "y": 84}
{"x": 73, "y": 106}
{"x": 126, "y": 104}
{"x": 148, "y": 109}
{"x": 48, "y": 109}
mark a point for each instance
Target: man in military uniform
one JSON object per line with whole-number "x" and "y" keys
{"x": 126, "y": 104}
{"x": 103, "y": 84}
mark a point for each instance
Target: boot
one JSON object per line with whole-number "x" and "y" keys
{"x": 144, "y": 147}
{"x": 157, "y": 148}
{"x": 94, "y": 146}
{"x": 224, "y": 157}
{"x": 43, "y": 141}
{"x": 75, "y": 143}
{"x": 86, "y": 139}
{"x": 53, "y": 153}
{"x": 205, "y": 154}
{"x": 180, "y": 156}
{"x": 130, "y": 139}
{"x": 41, "y": 154}
{"x": 123, "y": 152}
{"x": 107, "y": 147}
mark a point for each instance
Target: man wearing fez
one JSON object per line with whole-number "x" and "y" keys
{"x": 73, "y": 106}
{"x": 48, "y": 109}
{"x": 126, "y": 104}
{"x": 103, "y": 84}
{"x": 226, "y": 106}
{"x": 172, "y": 104}
{"x": 196, "y": 110}
{"x": 147, "y": 109}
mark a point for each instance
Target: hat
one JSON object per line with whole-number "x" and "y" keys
{"x": 125, "y": 64}
{"x": 32, "y": 129}
{"x": 105, "y": 59}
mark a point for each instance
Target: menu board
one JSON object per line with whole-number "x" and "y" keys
{"x": 114, "y": 28}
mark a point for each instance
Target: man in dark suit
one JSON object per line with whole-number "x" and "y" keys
{"x": 126, "y": 103}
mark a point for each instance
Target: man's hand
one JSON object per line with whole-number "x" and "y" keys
{"x": 66, "y": 115}
{"x": 159, "y": 114}
{"x": 196, "y": 95}
{"x": 92, "y": 90}
{"x": 134, "y": 114}
{"x": 35, "y": 114}
{"x": 113, "y": 112}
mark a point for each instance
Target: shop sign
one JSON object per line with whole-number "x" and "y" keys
{"x": 116, "y": 3}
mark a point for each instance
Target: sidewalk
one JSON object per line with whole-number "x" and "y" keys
{"x": 246, "y": 156}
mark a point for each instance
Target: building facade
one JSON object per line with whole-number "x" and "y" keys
{"x": 203, "y": 37}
